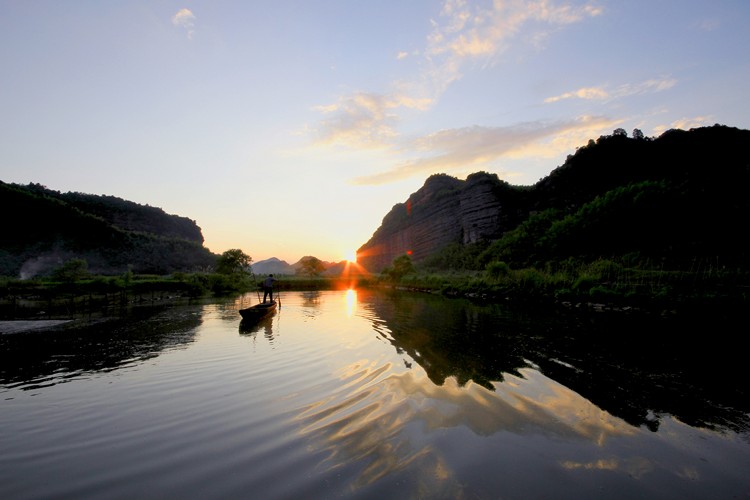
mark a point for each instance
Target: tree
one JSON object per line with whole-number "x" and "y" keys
{"x": 311, "y": 266}
{"x": 72, "y": 270}
{"x": 233, "y": 261}
{"x": 402, "y": 266}
{"x": 637, "y": 134}
{"x": 620, "y": 132}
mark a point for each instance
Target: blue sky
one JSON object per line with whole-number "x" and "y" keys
{"x": 291, "y": 128}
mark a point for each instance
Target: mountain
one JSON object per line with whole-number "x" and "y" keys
{"x": 113, "y": 235}
{"x": 276, "y": 266}
{"x": 272, "y": 266}
{"x": 676, "y": 198}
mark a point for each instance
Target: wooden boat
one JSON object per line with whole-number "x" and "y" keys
{"x": 258, "y": 311}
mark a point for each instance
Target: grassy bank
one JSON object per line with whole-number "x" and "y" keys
{"x": 49, "y": 297}
{"x": 598, "y": 284}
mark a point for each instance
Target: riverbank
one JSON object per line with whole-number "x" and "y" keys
{"x": 19, "y": 326}
{"x": 42, "y": 300}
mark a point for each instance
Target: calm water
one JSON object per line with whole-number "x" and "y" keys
{"x": 372, "y": 395}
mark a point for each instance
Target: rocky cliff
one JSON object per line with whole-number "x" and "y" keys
{"x": 445, "y": 210}
{"x": 702, "y": 210}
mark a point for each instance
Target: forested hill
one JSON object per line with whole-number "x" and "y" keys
{"x": 43, "y": 228}
{"x": 126, "y": 215}
{"x": 671, "y": 202}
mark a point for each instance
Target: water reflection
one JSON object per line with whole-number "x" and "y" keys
{"x": 506, "y": 394}
{"x": 350, "y": 297}
{"x": 252, "y": 327}
{"x": 37, "y": 359}
{"x": 380, "y": 427}
{"x": 613, "y": 360}
{"x": 311, "y": 299}
{"x": 384, "y": 396}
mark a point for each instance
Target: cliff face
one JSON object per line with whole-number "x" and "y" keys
{"x": 704, "y": 174}
{"x": 445, "y": 210}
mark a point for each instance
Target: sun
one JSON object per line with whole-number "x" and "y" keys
{"x": 351, "y": 256}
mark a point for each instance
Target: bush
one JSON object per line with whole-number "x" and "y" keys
{"x": 497, "y": 269}
{"x": 584, "y": 283}
{"x": 72, "y": 271}
{"x": 532, "y": 279}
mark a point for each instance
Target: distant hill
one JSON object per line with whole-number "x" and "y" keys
{"x": 272, "y": 266}
{"x": 673, "y": 201}
{"x": 281, "y": 267}
{"x": 113, "y": 235}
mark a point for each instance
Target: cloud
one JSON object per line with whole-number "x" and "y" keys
{"x": 654, "y": 85}
{"x": 685, "y": 124}
{"x": 583, "y": 93}
{"x": 186, "y": 19}
{"x": 464, "y": 33}
{"x": 456, "y": 149}
{"x": 625, "y": 90}
{"x": 470, "y": 33}
{"x": 364, "y": 119}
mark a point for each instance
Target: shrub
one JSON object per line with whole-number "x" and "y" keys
{"x": 497, "y": 269}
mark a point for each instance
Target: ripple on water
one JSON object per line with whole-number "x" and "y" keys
{"x": 321, "y": 405}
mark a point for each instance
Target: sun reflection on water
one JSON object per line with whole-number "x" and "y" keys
{"x": 350, "y": 297}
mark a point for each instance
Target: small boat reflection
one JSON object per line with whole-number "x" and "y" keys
{"x": 253, "y": 326}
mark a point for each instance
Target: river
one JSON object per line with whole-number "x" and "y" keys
{"x": 373, "y": 394}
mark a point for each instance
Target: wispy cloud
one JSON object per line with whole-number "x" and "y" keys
{"x": 582, "y": 93}
{"x": 364, "y": 120}
{"x": 447, "y": 151}
{"x": 629, "y": 89}
{"x": 465, "y": 33}
{"x": 685, "y": 124}
{"x": 469, "y": 34}
{"x": 185, "y": 19}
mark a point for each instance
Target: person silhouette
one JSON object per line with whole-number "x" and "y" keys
{"x": 268, "y": 287}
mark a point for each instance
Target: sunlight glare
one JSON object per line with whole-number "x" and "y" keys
{"x": 351, "y": 256}
{"x": 351, "y": 302}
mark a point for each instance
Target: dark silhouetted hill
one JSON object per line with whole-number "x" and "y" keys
{"x": 666, "y": 201}
{"x": 45, "y": 228}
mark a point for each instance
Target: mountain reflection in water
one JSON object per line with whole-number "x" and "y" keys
{"x": 634, "y": 366}
{"x": 374, "y": 394}
{"x": 36, "y": 359}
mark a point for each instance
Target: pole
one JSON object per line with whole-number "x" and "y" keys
{"x": 255, "y": 283}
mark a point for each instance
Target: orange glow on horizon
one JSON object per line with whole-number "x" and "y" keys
{"x": 353, "y": 270}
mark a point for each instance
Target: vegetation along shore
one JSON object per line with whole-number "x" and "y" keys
{"x": 626, "y": 223}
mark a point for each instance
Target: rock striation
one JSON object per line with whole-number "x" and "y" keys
{"x": 444, "y": 211}
{"x": 681, "y": 196}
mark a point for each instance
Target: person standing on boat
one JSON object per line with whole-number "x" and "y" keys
{"x": 268, "y": 287}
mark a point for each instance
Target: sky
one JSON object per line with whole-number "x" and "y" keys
{"x": 291, "y": 128}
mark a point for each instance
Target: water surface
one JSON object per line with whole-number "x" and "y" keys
{"x": 365, "y": 394}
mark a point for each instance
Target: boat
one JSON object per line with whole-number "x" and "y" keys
{"x": 258, "y": 311}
